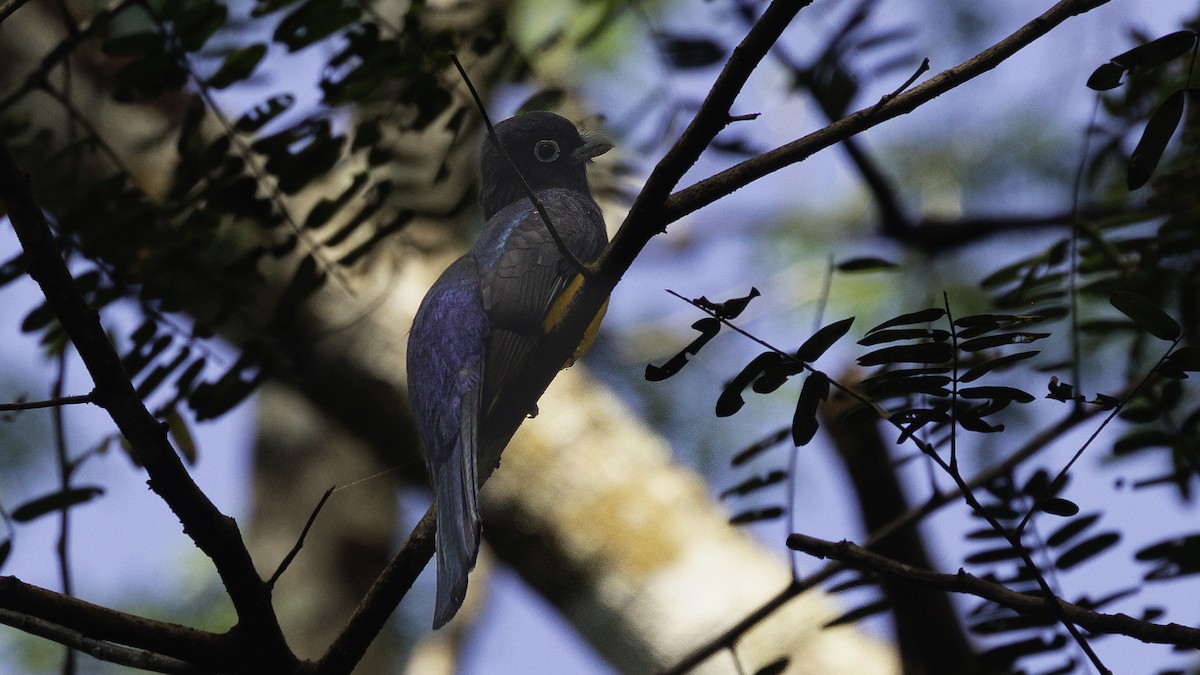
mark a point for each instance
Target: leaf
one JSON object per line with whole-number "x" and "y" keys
{"x": 1158, "y": 132}
{"x": 257, "y": 117}
{"x": 1107, "y": 76}
{"x": 859, "y": 613}
{"x": 687, "y": 52}
{"x": 775, "y": 667}
{"x": 759, "y": 446}
{"x": 1057, "y": 506}
{"x": 1186, "y": 359}
{"x": 923, "y": 316}
{"x": 1177, "y": 557}
{"x": 1145, "y": 314}
{"x": 730, "y": 309}
{"x": 756, "y": 515}
{"x": 822, "y": 340}
{"x": 197, "y": 23}
{"x": 1088, "y": 549}
{"x": 866, "y": 264}
{"x": 929, "y": 352}
{"x": 1158, "y": 51}
{"x": 995, "y": 364}
{"x": 1012, "y": 651}
{"x": 5, "y": 550}
{"x": 184, "y": 442}
{"x": 996, "y": 393}
{"x": 931, "y": 385}
{"x": 896, "y": 334}
{"x": 804, "y": 422}
{"x": 753, "y": 484}
{"x": 999, "y": 340}
{"x": 238, "y": 66}
{"x": 730, "y": 400}
{"x": 55, "y": 501}
{"x": 1001, "y": 554}
{"x": 133, "y": 44}
{"x": 313, "y": 21}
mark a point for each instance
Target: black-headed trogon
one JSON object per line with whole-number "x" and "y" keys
{"x": 487, "y": 308}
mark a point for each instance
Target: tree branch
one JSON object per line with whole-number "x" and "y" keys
{"x": 715, "y": 187}
{"x": 1022, "y": 603}
{"x": 213, "y": 532}
{"x": 381, "y": 600}
{"x": 67, "y": 620}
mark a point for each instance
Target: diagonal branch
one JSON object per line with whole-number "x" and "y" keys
{"x": 213, "y": 532}
{"x": 1022, "y": 603}
{"x": 715, "y": 187}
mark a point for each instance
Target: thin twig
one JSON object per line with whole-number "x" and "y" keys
{"x": 537, "y": 203}
{"x": 291, "y": 555}
{"x": 48, "y": 403}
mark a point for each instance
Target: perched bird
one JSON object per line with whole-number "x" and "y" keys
{"x": 486, "y": 309}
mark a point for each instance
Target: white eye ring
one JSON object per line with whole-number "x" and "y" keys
{"x": 546, "y": 151}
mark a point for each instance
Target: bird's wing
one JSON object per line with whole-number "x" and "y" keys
{"x": 525, "y": 270}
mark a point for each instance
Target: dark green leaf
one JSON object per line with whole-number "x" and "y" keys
{"x": 730, "y": 400}
{"x": 1159, "y": 130}
{"x": 804, "y": 422}
{"x": 999, "y": 340}
{"x": 859, "y": 613}
{"x": 1140, "y": 439}
{"x": 238, "y": 66}
{"x": 1177, "y": 557}
{"x": 1107, "y": 76}
{"x": 133, "y": 44}
{"x": 1012, "y": 651}
{"x": 995, "y": 364}
{"x": 1157, "y": 52}
{"x": 996, "y": 393}
{"x": 894, "y": 334}
{"x": 923, "y": 316}
{"x": 730, "y": 309}
{"x": 867, "y": 264}
{"x": 312, "y": 21}
{"x": 932, "y": 385}
{"x": 1186, "y": 359}
{"x": 1057, "y": 506}
{"x": 197, "y": 23}
{"x": 673, "y": 365}
{"x": 40, "y": 317}
{"x": 686, "y": 52}
{"x": 930, "y": 352}
{"x": 1001, "y": 554}
{"x": 753, "y": 484}
{"x": 1067, "y": 532}
{"x": 1145, "y": 314}
{"x": 264, "y": 112}
{"x": 775, "y": 667}
{"x": 1087, "y": 549}
{"x": 822, "y": 340}
{"x": 756, "y": 515}
{"x": 1060, "y": 391}
{"x": 5, "y": 550}
{"x": 55, "y": 501}
{"x": 758, "y": 447}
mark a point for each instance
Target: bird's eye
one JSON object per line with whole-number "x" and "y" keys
{"x": 546, "y": 151}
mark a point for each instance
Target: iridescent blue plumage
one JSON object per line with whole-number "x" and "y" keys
{"x": 487, "y": 309}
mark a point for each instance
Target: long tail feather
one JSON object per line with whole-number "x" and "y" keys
{"x": 457, "y": 516}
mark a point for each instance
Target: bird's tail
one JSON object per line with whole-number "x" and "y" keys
{"x": 457, "y": 519}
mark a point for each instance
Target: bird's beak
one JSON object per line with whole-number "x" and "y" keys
{"x": 595, "y": 143}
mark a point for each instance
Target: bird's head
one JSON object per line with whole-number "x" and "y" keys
{"x": 548, "y": 151}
